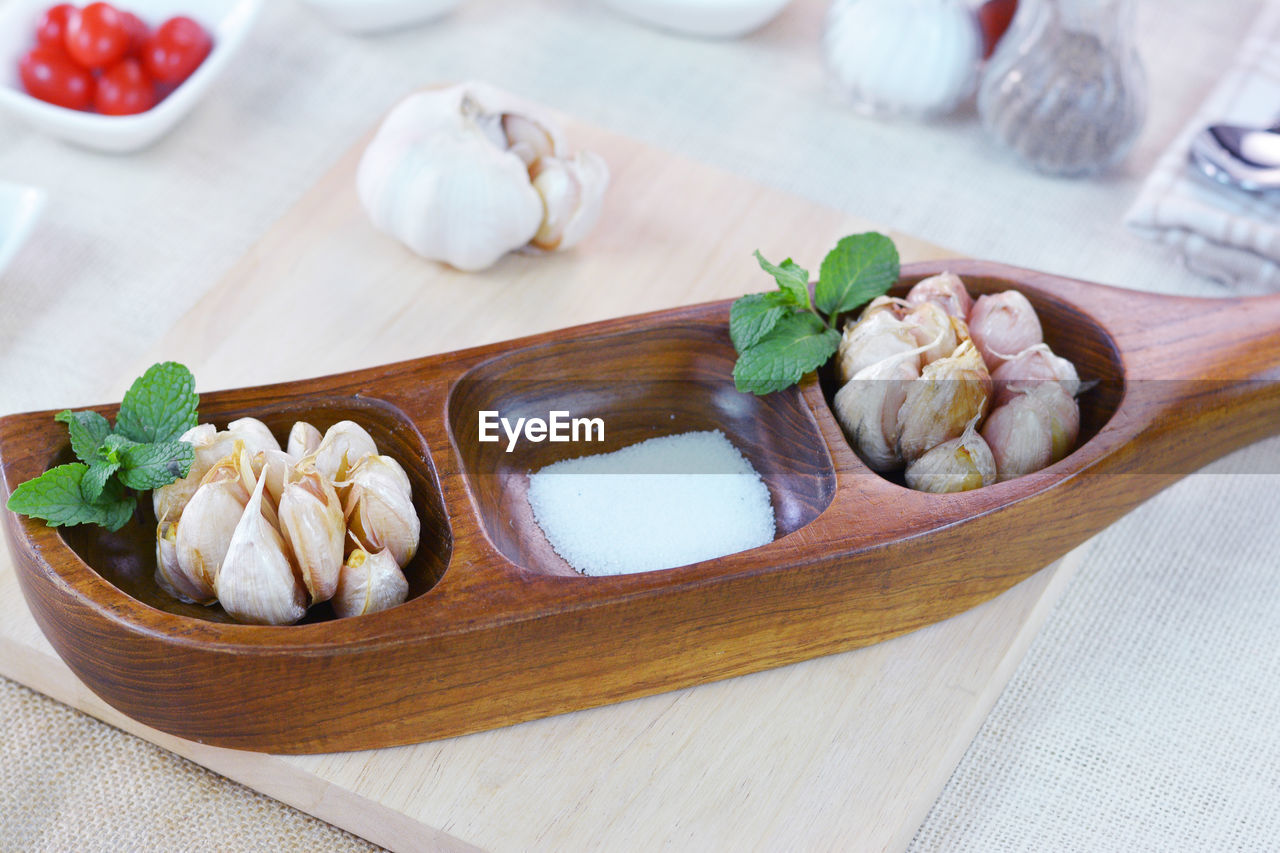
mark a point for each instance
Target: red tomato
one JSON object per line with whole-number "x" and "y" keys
{"x": 124, "y": 89}
{"x": 994, "y": 17}
{"x": 139, "y": 34}
{"x": 53, "y": 25}
{"x": 49, "y": 74}
{"x": 176, "y": 49}
{"x": 96, "y": 36}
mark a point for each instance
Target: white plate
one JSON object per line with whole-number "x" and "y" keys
{"x": 19, "y": 209}
{"x": 376, "y": 16}
{"x": 228, "y": 21}
{"x": 705, "y": 18}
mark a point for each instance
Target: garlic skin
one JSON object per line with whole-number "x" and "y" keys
{"x": 312, "y": 525}
{"x": 170, "y": 576}
{"x": 452, "y": 173}
{"x": 933, "y": 328}
{"x": 303, "y": 440}
{"x": 1019, "y": 436}
{"x": 1061, "y": 415}
{"x": 343, "y": 446}
{"x": 951, "y": 392}
{"x": 369, "y": 582}
{"x": 946, "y": 290}
{"x": 257, "y": 582}
{"x": 1003, "y": 325}
{"x": 205, "y": 529}
{"x": 273, "y": 466}
{"x": 957, "y": 465}
{"x": 868, "y": 408}
{"x": 877, "y": 335}
{"x": 1031, "y": 368}
{"x": 379, "y": 507}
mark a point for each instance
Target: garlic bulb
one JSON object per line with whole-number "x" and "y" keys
{"x": 957, "y": 465}
{"x": 950, "y": 393}
{"x": 877, "y": 335}
{"x": 1003, "y": 325}
{"x": 257, "y": 582}
{"x": 466, "y": 174}
{"x": 343, "y": 446}
{"x": 868, "y": 407}
{"x": 1019, "y": 436}
{"x": 379, "y": 507}
{"x": 313, "y": 526}
{"x": 303, "y": 440}
{"x": 947, "y": 290}
{"x": 1030, "y": 368}
{"x": 369, "y": 582}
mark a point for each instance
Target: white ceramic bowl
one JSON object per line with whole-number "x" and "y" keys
{"x": 378, "y": 16}
{"x": 705, "y": 18}
{"x": 19, "y": 209}
{"x": 228, "y": 22}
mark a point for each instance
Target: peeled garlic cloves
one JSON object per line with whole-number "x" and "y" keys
{"x": 313, "y": 526}
{"x": 257, "y": 583}
{"x": 369, "y": 582}
{"x": 379, "y": 507}
{"x": 957, "y": 465}
{"x": 1003, "y": 325}
{"x": 947, "y": 291}
{"x": 303, "y": 440}
{"x": 950, "y": 393}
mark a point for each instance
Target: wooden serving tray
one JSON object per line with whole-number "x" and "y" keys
{"x": 497, "y": 630}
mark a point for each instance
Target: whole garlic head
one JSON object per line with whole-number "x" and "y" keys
{"x": 466, "y": 174}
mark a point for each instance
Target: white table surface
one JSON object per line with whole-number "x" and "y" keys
{"x": 128, "y": 244}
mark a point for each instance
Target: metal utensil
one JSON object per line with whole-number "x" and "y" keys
{"x": 1243, "y": 157}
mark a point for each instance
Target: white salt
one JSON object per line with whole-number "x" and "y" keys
{"x": 664, "y": 502}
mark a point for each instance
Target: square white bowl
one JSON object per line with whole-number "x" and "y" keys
{"x": 228, "y": 22}
{"x": 19, "y": 209}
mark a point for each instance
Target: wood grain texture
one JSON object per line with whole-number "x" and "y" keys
{"x": 493, "y": 637}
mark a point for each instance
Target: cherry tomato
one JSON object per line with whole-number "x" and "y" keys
{"x": 994, "y": 18}
{"x": 124, "y": 89}
{"x": 49, "y": 74}
{"x": 53, "y": 25}
{"x": 139, "y": 34}
{"x": 176, "y": 49}
{"x": 96, "y": 36}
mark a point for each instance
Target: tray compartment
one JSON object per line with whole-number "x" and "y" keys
{"x": 126, "y": 558}
{"x": 643, "y": 384}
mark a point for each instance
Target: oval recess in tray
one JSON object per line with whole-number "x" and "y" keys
{"x": 126, "y": 558}
{"x": 643, "y": 384}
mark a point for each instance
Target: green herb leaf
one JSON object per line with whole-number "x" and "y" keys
{"x": 150, "y": 466}
{"x": 798, "y": 344}
{"x": 754, "y": 316}
{"x": 160, "y": 405}
{"x": 57, "y": 497}
{"x": 860, "y": 268}
{"x": 792, "y": 278}
{"x": 95, "y": 479}
{"x": 113, "y": 447}
{"x": 87, "y": 429}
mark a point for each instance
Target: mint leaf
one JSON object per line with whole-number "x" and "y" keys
{"x": 860, "y": 268}
{"x": 87, "y": 429}
{"x": 150, "y": 466}
{"x": 95, "y": 479}
{"x": 754, "y": 316}
{"x": 798, "y": 344}
{"x": 57, "y": 498}
{"x": 112, "y": 448}
{"x": 792, "y": 278}
{"x": 160, "y": 405}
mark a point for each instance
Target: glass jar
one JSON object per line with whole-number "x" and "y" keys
{"x": 913, "y": 58}
{"x": 1065, "y": 89}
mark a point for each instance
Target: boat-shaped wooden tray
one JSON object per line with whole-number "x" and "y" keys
{"x": 497, "y": 629}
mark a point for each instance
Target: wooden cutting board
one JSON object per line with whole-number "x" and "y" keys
{"x": 848, "y": 751}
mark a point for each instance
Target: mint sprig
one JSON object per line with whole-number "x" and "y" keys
{"x": 783, "y": 334}
{"x": 140, "y": 452}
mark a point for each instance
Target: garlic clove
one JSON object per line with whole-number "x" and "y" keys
{"x": 874, "y": 337}
{"x": 169, "y": 501}
{"x": 1003, "y": 325}
{"x": 1030, "y": 368}
{"x": 951, "y": 392}
{"x": 312, "y": 524}
{"x": 257, "y": 583}
{"x": 572, "y": 193}
{"x": 303, "y": 440}
{"x": 274, "y": 465}
{"x": 170, "y": 575}
{"x": 254, "y": 433}
{"x": 946, "y": 290}
{"x": 369, "y": 582}
{"x": 343, "y": 446}
{"x": 204, "y": 531}
{"x": 527, "y": 139}
{"x": 379, "y": 508}
{"x": 957, "y": 465}
{"x": 1020, "y": 437}
{"x": 868, "y": 407}
{"x": 1062, "y": 414}
{"x": 932, "y": 327}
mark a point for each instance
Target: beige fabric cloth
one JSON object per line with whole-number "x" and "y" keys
{"x": 1228, "y": 235}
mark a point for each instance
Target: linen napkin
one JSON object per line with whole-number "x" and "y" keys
{"x": 1228, "y": 235}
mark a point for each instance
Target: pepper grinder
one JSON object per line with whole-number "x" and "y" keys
{"x": 1065, "y": 89}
